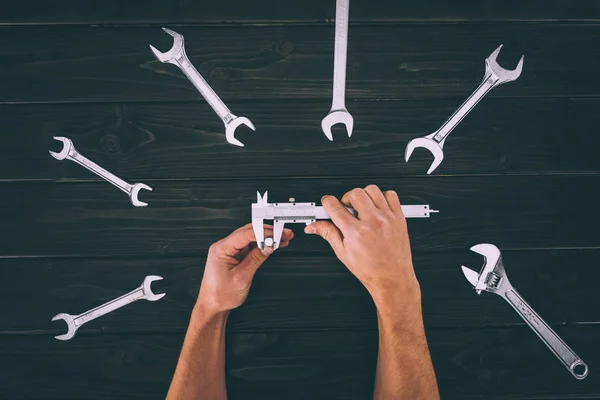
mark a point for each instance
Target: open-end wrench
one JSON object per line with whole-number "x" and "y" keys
{"x": 494, "y": 76}
{"x": 178, "y": 57}
{"x": 338, "y": 113}
{"x": 493, "y": 279}
{"x": 70, "y": 153}
{"x": 74, "y": 322}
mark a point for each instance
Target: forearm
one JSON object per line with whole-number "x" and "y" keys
{"x": 404, "y": 367}
{"x": 200, "y": 372}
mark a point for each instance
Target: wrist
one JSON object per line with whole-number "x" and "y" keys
{"x": 399, "y": 308}
{"x": 205, "y": 314}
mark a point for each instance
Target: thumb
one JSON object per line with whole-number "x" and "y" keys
{"x": 254, "y": 259}
{"x": 329, "y": 232}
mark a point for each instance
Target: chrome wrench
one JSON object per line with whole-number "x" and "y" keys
{"x": 74, "y": 322}
{"x": 338, "y": 113}
{"x": 178, "y": 57}
{"x": 493, "y": 279}
{"x": 494, "y": 76}
{"x": 70, "y": 153}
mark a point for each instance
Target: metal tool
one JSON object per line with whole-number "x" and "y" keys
{"x": 338, "y": 113}
{"x": 70, "y": 153}
{"x": 294, "y": 212}
{"x": 493, "y": 279}
{"x": 74, "y": 322}
{"x": 494, "y": 75}
{"x": 178, "y": 57}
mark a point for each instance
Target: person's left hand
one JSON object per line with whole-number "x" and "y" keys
{"x": 230, "y": 268}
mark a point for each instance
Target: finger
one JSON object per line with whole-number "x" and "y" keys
{"x": 339, "y": 215}
{"x": 377, "y": 197}
{"x": 329, "y": 232}
{"x": 253, "y": 260}
{"x": 360, "y": 201}
{"x": 393, "y": 201}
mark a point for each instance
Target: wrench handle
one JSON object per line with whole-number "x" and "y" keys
{"x": 101, "y": 172}
{"x": 560, "y": 349}
{"x": 211, "y": 97}
{"x": 340, "y": 54}
{"x": 108, "y": 307}
{"x": 488, "y": 83}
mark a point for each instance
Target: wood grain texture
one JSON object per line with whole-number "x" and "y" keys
{"x": 499, "y": 363}
{"x": 99, "y": 64}
{"x": 265, "y": 11}
{"x": 96, "y": 219}
{"x": 183, "y": 141}
{"x": 292, "y": 293}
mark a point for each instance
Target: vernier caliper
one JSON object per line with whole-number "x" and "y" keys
{"x": 307, "y": 213}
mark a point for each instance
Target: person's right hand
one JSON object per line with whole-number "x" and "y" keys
{"x": 374, "y": 246}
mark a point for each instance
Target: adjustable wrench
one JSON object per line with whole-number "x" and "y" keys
{"x": 494, "y": 76}
{"x": 74, "y": 322}
{"x": 70, "y": 153}
{"x": 338, "y": 113}
{"x": 178, "y": 57}
{"x": 493, "y": 279}
{"x": 307, "y": 213}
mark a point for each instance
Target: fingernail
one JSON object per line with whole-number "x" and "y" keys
{"x": 268, "y": 250}
{"x": 287, "y": 230}
{"x": 323, "y": 198}
{"x": 309, "y": 229}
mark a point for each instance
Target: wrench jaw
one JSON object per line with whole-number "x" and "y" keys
{"x": 503, "y": 75}
{"x": 67, "y": 147}
{"x": 232, "y": 125}
{"x": 71, "y": 328}
{"x": 135, "y": 189}
{"x": 177, "y": 50}
{"x": 337, "y": 117}
{"x": 435, "y": 148}
{"x": 147, "y": 289}
{"x": 492, "y": 277}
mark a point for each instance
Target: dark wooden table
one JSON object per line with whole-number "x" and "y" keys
{"x": 521, "y": 171}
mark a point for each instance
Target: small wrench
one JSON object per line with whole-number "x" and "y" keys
{"x": 493, "y": 279}
{"x": 338, "y": 113}
{"x": 494, "y": 76}
{"x": 74, "y": 322}
{"x": 178, "y": 57}
{"x": 70, "y": 153}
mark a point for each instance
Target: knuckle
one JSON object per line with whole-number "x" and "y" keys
{"x": 214, "y": 248}
{"x": 373, "y": 187}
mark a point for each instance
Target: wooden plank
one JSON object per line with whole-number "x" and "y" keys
{"x": 502, "y": 363}
{"x": 265, "y": 11}
{"x": 96, "y": 219}
{"x": 184, "y": 141}
{"x": 98, "y": 64}
{"x": 292, "y": 293}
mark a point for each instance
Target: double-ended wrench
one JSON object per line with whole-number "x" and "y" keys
{"x": 74, "y": 322}
{"x": 306, "y": 213}
{"x": 70, "y": 153}
{"x": 493, "y": 279}
{"x": 178, "y": 57}
{"x": 338, "y": 113}
{"x": 494, "y": 76}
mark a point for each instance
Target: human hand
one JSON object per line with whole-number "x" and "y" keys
{"x": 374, "y": 246}
{"x": 230, "y": 268}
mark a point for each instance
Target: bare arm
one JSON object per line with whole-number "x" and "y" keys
{"x": 375, "y": 247}
{"x": 230, "y": 268}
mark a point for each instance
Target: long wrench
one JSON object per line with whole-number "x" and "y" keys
{"x": 177, "y": 56}
{"x": 493, "y": 279}
{"x": 494, "y": 76}
{"x": 338, "y": 113}
{"x": 74, "y": 322}
{"x": 70, "y": 153}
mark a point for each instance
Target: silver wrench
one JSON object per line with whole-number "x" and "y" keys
{"x": 338, "y": 113}
{"x": 74, "y": 322}
{"x": 178, "y": 57}
{"x": 494, "y": 76}
{"x": 493, "y": 279}
{"x": 70, "y": 153}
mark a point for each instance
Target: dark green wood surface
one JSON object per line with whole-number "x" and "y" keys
{"x": 521, "y": 171}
